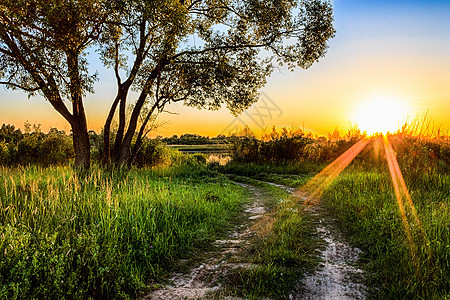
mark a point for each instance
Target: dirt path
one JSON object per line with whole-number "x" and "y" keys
{"x": 337, "y": 277}
{"x": 203, "y": 279}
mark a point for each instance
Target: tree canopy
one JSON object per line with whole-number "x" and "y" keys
{"x": 205, "y": 53}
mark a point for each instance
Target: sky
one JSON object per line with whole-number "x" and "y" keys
{"x": 393, "y": 53}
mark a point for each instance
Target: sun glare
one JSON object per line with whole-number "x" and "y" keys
{"x": 380, "y": 115}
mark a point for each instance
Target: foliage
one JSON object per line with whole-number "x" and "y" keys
{"x": 289, "y": 145}
{"x": 152, "y": 153}
{"x": 35, "y": 147}
{"x": 9, "y": 134}
{"x": 194, "y": 139}
{"x": 286, "y": 146}
{"x": 422, "y": 127}
{"x": 421, "y": 156}
{"x": 104, "y": 235}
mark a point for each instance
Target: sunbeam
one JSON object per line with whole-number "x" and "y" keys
{"x": 318, "y": 183}
{"x": 405, "y": 209}
{"x": 416, "y": 238}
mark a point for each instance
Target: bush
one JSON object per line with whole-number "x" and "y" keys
{"x": 3, "y": 153}
{"x": 284, "y": 146}
{"x": 56, "y": 148}
{"x": 288, "y": 146}
{"x": 153, "y": 153}
{"x": 37, "y": 147}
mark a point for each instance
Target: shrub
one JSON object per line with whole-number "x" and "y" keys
{"x": 56, "y": 148}
{"x": 153, "y": 152}
{"x": 3, "y": 153}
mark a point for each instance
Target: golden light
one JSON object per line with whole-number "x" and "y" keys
{"x": 313, "y": 189}
{"x": 380, "y": 115}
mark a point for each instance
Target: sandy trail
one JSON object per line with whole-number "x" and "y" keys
{"x": 337, "y": 276}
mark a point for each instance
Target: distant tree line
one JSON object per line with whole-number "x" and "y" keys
{"x": 195, "y": 139}
{"x": 32, "y": 146}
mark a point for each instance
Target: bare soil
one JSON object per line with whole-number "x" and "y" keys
{"x": 338, "y": 275}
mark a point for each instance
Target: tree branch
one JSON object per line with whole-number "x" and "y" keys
{"x": 27, "y": 89}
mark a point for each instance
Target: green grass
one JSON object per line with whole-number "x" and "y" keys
{"x": 365, "y": 204}
{"x": 104, "y": 235}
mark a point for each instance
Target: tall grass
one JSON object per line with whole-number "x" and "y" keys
{"x": 366, "y": 205}
{"x": 104, "y": 235}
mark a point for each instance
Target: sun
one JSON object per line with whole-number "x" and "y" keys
{"x": 380, "y": 115}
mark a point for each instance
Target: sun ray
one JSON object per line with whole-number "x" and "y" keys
{"x": 315, "y": 187}
{"x": 312, "y": 191}
{"x": 402, "y": 195}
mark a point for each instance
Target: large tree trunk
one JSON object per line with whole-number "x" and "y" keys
{"x": 81, "y": 143}
{"x": 140, "y": 137}
{"x": 120, "y": 131}
{"x": 81, "y": 146}
{"x": 124, "y": 152}
{"x": 106, "y": 132}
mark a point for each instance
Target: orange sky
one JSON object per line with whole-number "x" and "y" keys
{"x": 399, "y": 52}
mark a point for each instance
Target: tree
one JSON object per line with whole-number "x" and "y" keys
{"x": 205, "y": 53}
{"x": 42, "y": 50}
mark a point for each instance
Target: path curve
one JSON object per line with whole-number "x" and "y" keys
{"x": 336, "y": 277}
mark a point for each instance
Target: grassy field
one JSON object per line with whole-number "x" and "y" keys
{"x": 113, "y": 235}
{"x": 366, "y": 206}
{"x": 105, "y": 235}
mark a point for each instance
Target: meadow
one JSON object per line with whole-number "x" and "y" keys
{"x": 118, "y": 234}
